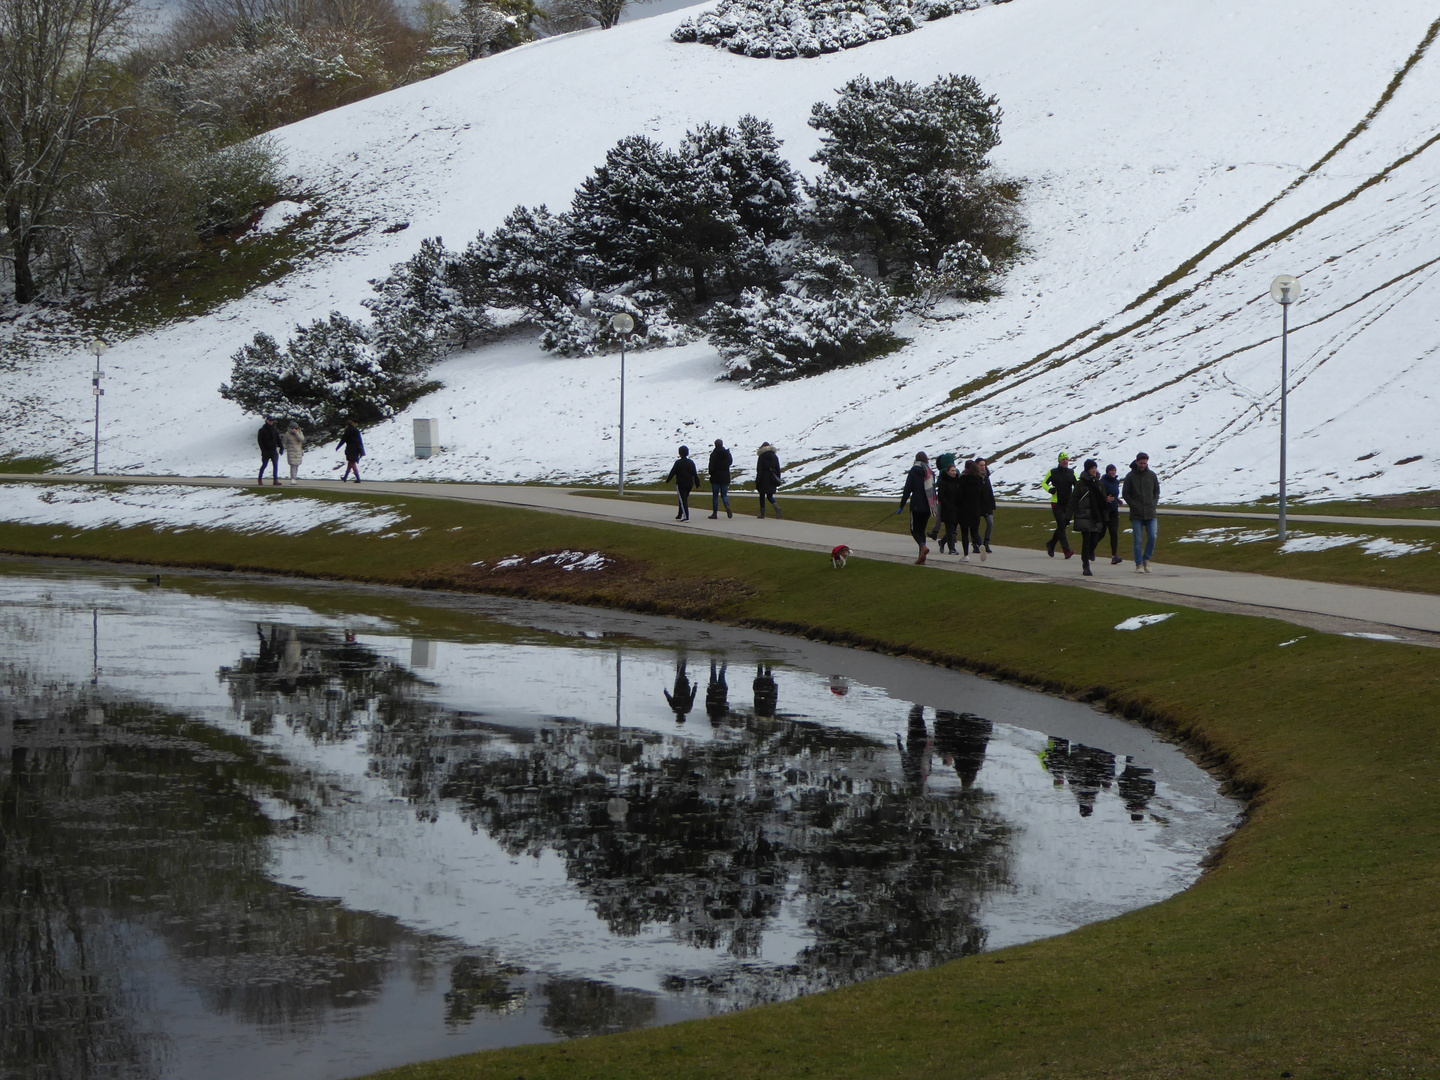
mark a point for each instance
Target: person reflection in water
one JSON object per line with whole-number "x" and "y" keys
{"x": 915, "y": 750}
{"x": 717, "y": 694}
{"x": 960, "y": 740}
{"x": 767, "y": 694}
{"x": 1085, "y": 768}
{"x": 683, "y": 699}
{"x": 1136, "y": 788}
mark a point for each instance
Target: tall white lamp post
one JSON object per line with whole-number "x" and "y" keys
{"x": 97, "y": 347}
{"x": 1285, "y": 290}
{"x": 622, "y": 324}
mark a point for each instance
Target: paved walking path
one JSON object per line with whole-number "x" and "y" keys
{"x": 1352, "y": 609}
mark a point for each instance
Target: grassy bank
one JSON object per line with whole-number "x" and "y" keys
{"x": 1310, "y": 949}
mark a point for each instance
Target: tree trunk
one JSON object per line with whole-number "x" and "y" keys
{"x": 697, "y": 280}
{"x": 22, "y": 243}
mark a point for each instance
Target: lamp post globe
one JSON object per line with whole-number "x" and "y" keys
{"x": 623, "y": 325}
{"x": 1284, "y": 290}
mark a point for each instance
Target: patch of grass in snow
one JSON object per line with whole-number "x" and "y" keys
{"x": 1309, "y": 944}
{"x": 223, "y": 269}
{"x": 29, "y": 465}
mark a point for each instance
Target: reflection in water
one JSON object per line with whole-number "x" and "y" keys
{"x": 749, "y": 860}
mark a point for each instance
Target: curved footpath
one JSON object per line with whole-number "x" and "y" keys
{"x": 1403, "y": 616}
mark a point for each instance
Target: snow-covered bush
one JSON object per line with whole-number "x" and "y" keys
{"x": 585, "y": 329}
{"x": 960, "y": 275}
{"x": 828, "y": 315}
{"x": 329, "y": 372}
{"x": 528, "y": 262}
{"x": 783, "y": 29}
{"x": 428, "y": 304}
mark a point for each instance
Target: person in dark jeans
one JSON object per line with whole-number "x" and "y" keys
{"x": 1111, "y": 483}
{"x": 1059, "y": 482}
{"x": 720, "y": 462}
{"x": 354, "y": 450}
{"x": 269, "y": 440}
{"x": 686, "y": 477}
{"x": 1087, "y": 509}
{"x": 767, "y": 477}
{"x": 987, "y": 507}
{"x": 919, "y": 501}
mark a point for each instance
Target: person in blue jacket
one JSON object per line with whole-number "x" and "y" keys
{"x": 1111, "y": 483}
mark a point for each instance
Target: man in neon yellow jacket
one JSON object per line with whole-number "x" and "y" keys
{"x": 1059, "y": 482}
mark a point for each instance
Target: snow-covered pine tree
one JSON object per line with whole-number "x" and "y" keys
{"x": 529, "y": 262}
{"x": 425, "y": 306}
{"x": 894, "y": 155}
{"x": 830, "y": 315}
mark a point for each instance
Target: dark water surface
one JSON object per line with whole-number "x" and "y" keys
{"x": 309, "y": 832}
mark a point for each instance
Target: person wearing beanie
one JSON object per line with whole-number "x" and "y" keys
{"x": 1141, "y": 492}
{"x": 914, "y": 493}
{"x": 1087, "y": 509}
{"x": 1059, "y": 482}
{"x": 686, "y": 477}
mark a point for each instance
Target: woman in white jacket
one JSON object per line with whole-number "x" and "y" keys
{"x": 294, "y": 441}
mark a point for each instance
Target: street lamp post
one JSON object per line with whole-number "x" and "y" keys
{"x": 97, "y": 347}
{"x": 1285, "y": 290}
{"x": 622, "y": 324}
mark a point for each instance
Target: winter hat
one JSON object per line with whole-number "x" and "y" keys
{"x": 1111, "y": 468}
{"x": 684, "y": 451}
{"x": 1064, "y": 456}
{"x": 1090, "y": 463}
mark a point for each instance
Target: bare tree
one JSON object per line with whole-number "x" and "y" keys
{"x": 55, "y": 75}
{"x": 563, "y": 13}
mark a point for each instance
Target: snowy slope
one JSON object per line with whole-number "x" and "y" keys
{"x": 1177, "y": 157}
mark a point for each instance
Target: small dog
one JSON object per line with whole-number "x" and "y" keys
{"x": 838, "y": 556}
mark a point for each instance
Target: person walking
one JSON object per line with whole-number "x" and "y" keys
{"x": 686, "y": 477}
{"x": 932, "y": 488}
{"x": 972, "y": 499}
{"x": 914, "y": 493}
{"x": 987, "y": 503}
{"x": 1141, "y": 492}
{"x": 269, "y": 439}
{"x": 294, "y": 440}
{"x": 767, "y": 476}
{"x": 1059, "y": 482}
{"x": 947, "y": 502}
{"x": 1111, "y": 482}
{"x": 1087, "y": 508}
{"x": 354, "y": 450}
{"x": 720, "y": 462}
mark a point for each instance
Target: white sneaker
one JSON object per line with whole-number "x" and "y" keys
{"x": 966, "y": 558}
{"x": 1139, "y": 570}
{"x": 1147, "y": 567}
{"x": 293, "y": 482}
{"x": 983, "y": 554}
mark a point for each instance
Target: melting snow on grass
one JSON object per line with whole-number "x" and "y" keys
{"x": 1379, "y": 546}
{"x": 565, "y": 560}
{"x": 176, "y": 508}
{"x": 1136, "y": 622}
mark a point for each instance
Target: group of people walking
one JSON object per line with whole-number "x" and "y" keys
{"x": 686, "y": 477}
{"x": 293, "y": 443}
{"x": 1092, "y": 503}
{"x": 961, "y": 497}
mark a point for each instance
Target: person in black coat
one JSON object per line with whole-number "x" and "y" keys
{"x": 1059, "y": 482}
{"x": 269, "y": 440}
{"x": 919, "y": 500}
{"x": 354, "y": 450}
{"x": 947, "y": 495}
{"x": 720, "y": 462}
{"x": 686, "y": 478}
{"x": 987, "y": 508}
{"x": 1089, "y": 509}
{"x": 767, "y": 476}
{"x": 972, "y": 501}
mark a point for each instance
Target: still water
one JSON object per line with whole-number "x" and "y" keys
{"x": 312, "y": 832}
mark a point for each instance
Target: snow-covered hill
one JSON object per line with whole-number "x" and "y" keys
{"x": 1177, "y": 157}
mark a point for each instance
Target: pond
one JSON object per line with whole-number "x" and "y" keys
{"x": 255, "y": 829}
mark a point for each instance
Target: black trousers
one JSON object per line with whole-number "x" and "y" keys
{"x": 969, "y": 537}
{"x": 273, "y": 460}
{"x": 1060, "y": 539}
{"x": 684, "y": 496}
{"x": 1089, "y": 541}
{"x": 918, "y": 521}
{"x": 1112, "y": 526}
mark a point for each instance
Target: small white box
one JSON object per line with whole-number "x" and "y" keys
{"x": 427, "y": 437}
